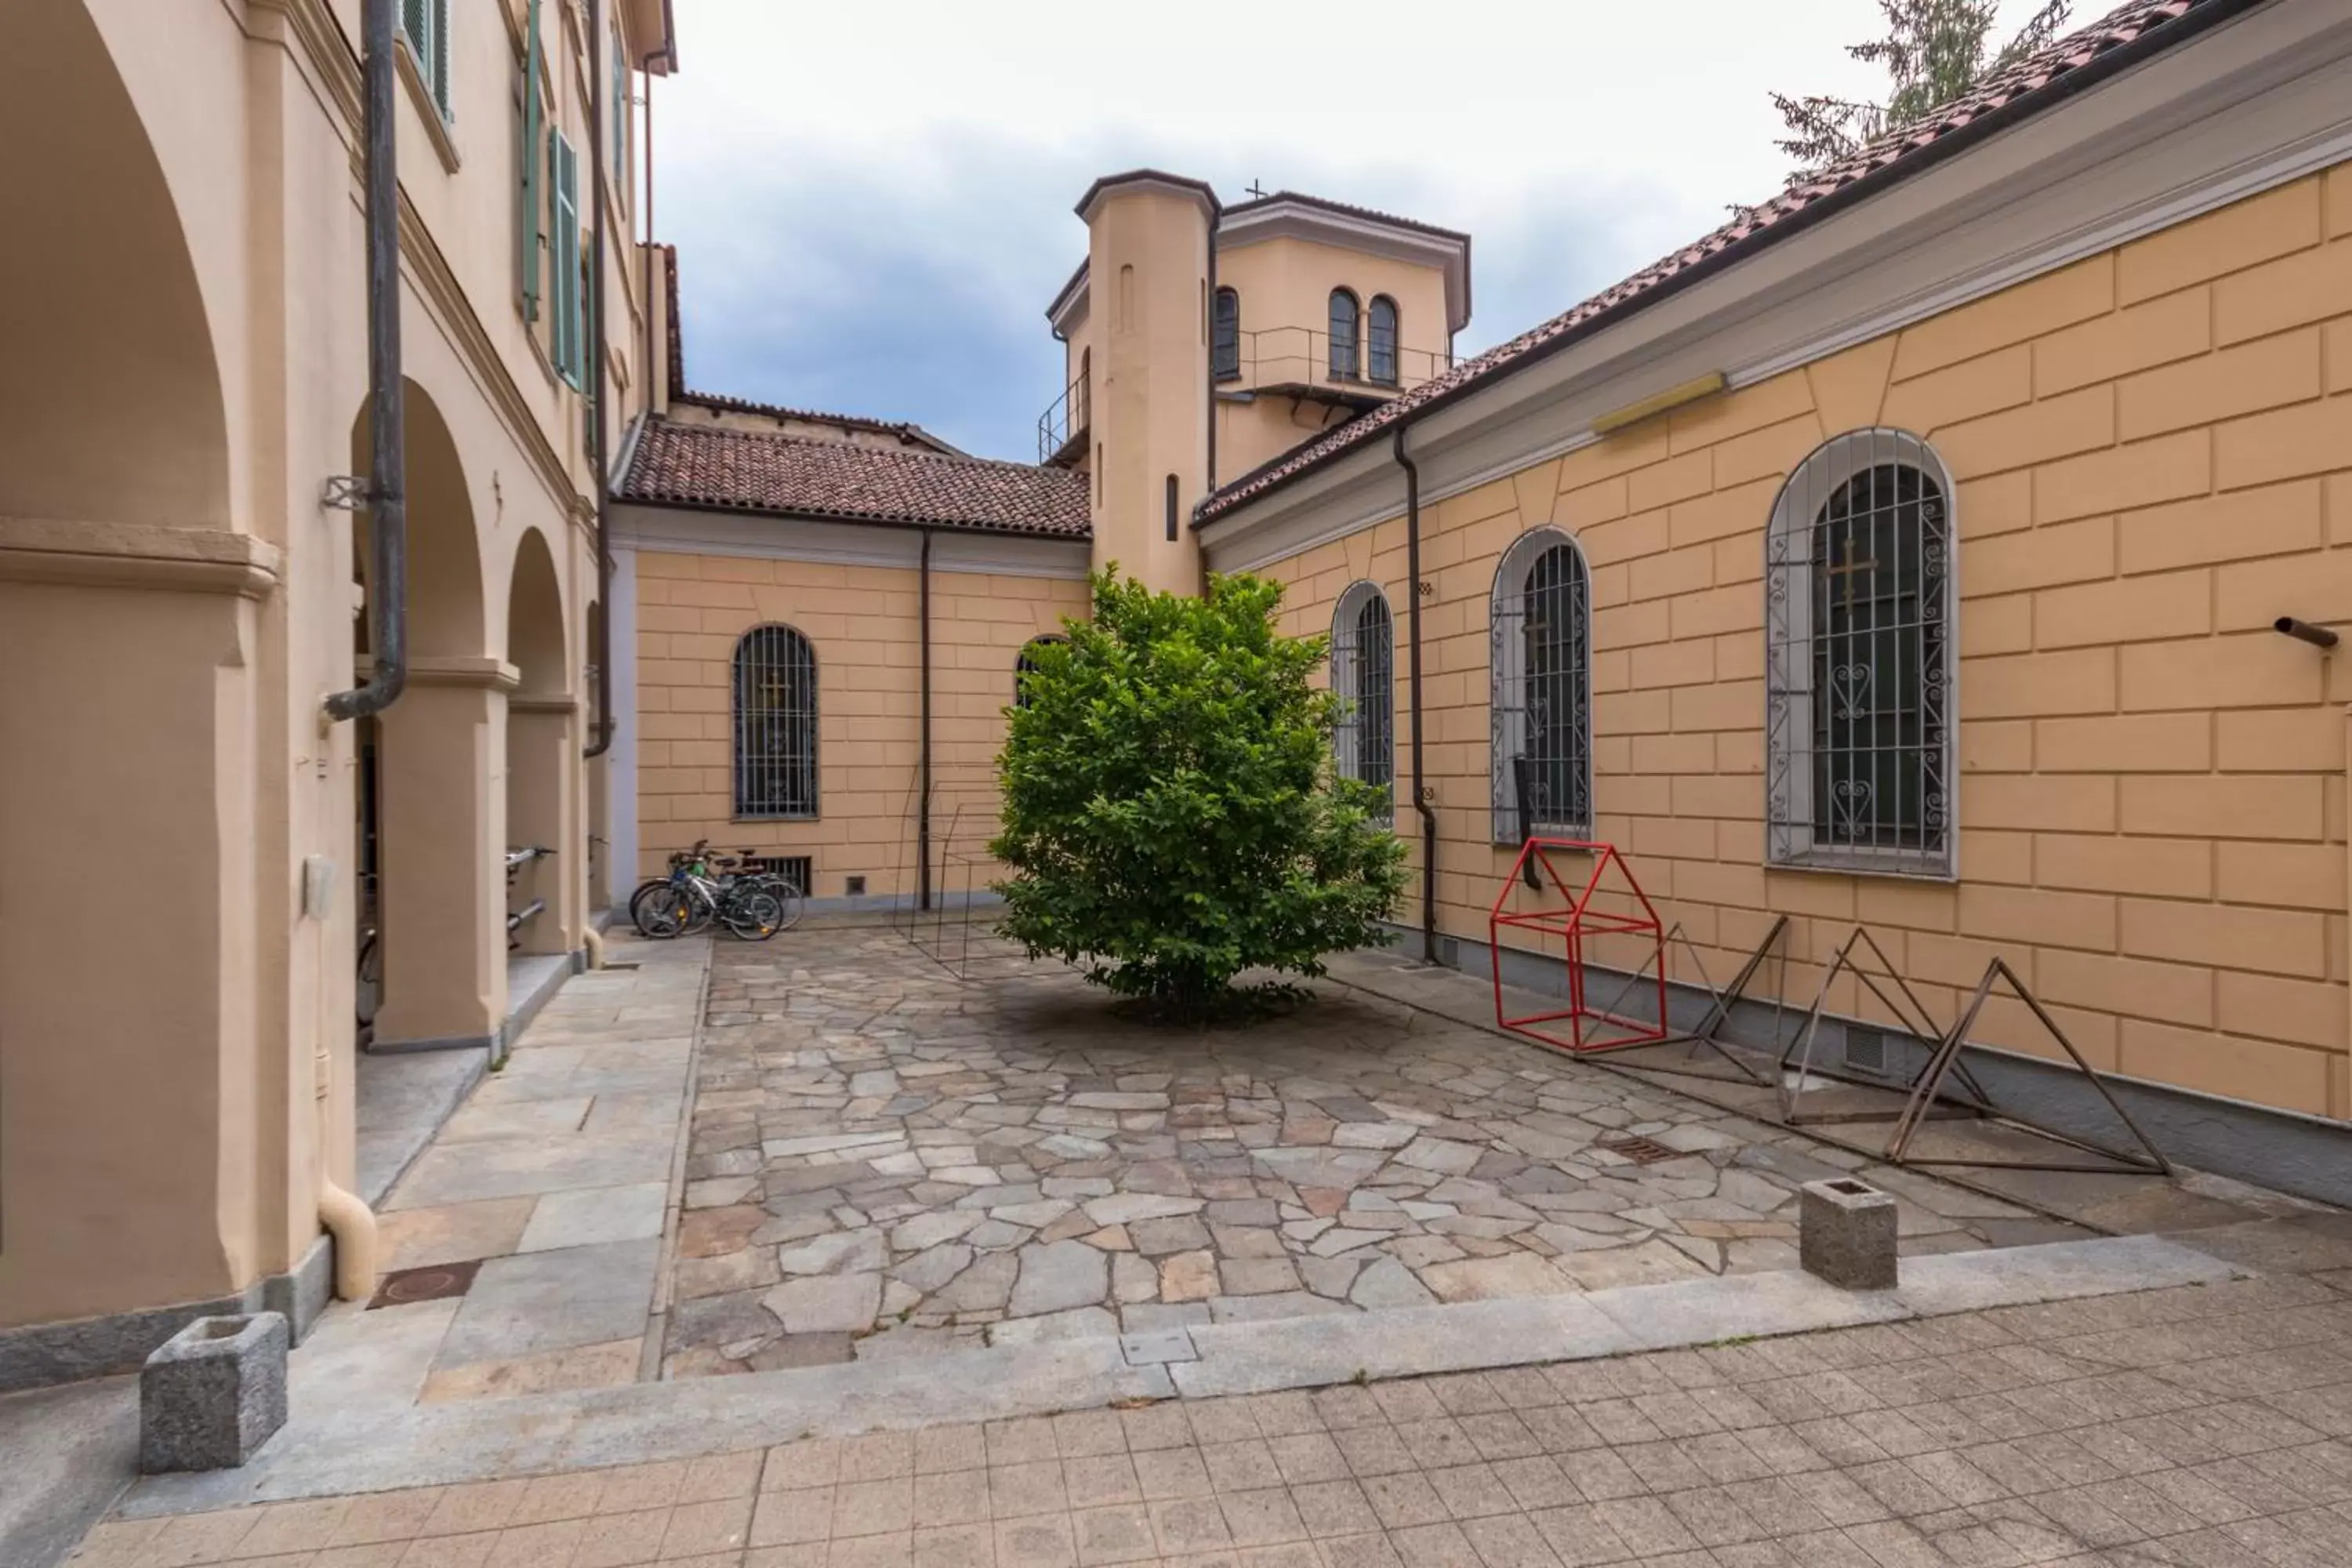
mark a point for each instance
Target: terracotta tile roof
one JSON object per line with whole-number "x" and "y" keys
{"x": 712, "y": 468}
{"x": 2038, "y": 81}
{"x": 905, "y": 430}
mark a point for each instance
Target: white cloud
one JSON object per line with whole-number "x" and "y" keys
{"x": 872, "y": 202}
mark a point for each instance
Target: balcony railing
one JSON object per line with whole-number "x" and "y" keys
{"x": 1064, "y": 421}
{"x": 1362, "y": 372}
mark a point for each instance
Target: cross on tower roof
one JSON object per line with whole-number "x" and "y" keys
{"x": 1257, "y": 190}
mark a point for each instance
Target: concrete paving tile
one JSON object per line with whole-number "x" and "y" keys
{"x": 452, "y": 1233}
{"x": 609, "y": 1365}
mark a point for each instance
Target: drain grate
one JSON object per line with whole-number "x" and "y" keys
{"x": 1641, "y": 1150}
{"x": 433, "y": 1282}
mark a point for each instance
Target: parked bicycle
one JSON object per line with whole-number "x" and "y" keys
{"x": 703, "y": 889}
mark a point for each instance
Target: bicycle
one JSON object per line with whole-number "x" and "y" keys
{"x": 701, "y": 889}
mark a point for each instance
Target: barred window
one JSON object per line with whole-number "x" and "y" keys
{"x": 775, "y": 724}
{"x": 1541, "y": 704}
{"x": 1025, "y": 665}
{"x": 1363, "y": 676}
{"x": 1859, "y": 606}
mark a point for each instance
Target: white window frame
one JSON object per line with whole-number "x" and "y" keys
{"x": 1790, "y": 840}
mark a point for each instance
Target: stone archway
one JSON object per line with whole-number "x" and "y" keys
{"x": 543, "y": 757}
{"x": 130, "y": 630}
{"x": 437, "y": 759}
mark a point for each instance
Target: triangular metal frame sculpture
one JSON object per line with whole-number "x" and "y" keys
{"x": 1930, "y": 1085}
{"x": 1910, "y": 1014}
{"x": 1719, "y": 1013}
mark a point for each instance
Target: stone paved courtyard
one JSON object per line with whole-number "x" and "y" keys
{"x": 2207, "y": 1427}
{"x": 889, "y": 1159}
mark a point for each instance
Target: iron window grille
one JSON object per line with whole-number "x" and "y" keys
{"x": 1860, "y": 601}
{"x": 1542, "y": 700}
{"x": 1382, "y": 340}
{"x": 1347, "y": 362}
{"x": 1025, "y": 665}
{"x": 775, "y": 724}
{"x": 1225, "y": 338}
{"x": 1363, "y": 676}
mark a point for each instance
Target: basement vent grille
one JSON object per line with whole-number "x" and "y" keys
{"x": 794, "y": 868}
{"x": 1641, "y": 1150}
{"x": 1865, "y": 1051}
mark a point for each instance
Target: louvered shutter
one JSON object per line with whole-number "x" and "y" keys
{"x": 527, "y": 261}
{"x": 441, "y": 56}
{"x": 565, "y": 176}
{"x": 620, "y": 112}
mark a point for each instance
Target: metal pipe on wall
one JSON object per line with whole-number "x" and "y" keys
{"x": 387, "y": 487}
{"x": 1412, "y": 618}
{"x": 600, "y": 156}
{"x": 923, "y": 764}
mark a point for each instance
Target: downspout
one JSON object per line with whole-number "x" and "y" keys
{"x": 1216, "y": 216}
{"x": 387, "y": 499}
{"x": 1412, "y": 618}
{"x": 645, "y": 272}
{"x": 923, "y": 766}
{"x": 596, "y": 453}
{"x": 344, "y": 1217}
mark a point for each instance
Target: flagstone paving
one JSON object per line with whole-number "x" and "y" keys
{"x": 888, "y": 1159}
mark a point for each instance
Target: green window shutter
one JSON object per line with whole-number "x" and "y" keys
{"x": 415, "y": 21}
{"x": 565, "y": 178}
{"x": 620, "y": 115}
{"x": 527, "y": 261}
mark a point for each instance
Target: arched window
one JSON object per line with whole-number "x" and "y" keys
{"x": 1541, "y": 704}
{"x": 1225, "y": 336}
{"x": 1346, "y": 356}
{"x": 1383, "y": 338}
{"x": 1363, "y": 676}
{"x": 775, "y": 724}
{"x": 1858, "y": 614}
{"x": 1025, "y": 665}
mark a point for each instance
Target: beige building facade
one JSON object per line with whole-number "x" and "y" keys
{"x": 185, "y": 565}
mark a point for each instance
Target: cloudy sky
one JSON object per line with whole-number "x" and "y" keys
{"x": 872, "y": 201}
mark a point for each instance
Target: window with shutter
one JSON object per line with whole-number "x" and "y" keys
{"x": 527, "y": 259}
{"x": 426, "y": 25}
{"x": 620, "y": 112}
{"x": 563, "y": 177}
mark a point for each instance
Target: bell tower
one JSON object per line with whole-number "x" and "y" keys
{"x": 1147, "y": 239}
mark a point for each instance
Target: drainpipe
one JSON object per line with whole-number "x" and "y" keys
{"x": 923, "y": 785}
{"x": 645, "y": 272}
{"x": 596, "y": 454}
{"x": 387, "y": 498}
{"x": 1413, "y": 618}
{"x": 1210, "y": 347}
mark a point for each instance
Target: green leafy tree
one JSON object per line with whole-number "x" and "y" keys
{"x": 1934, "y": 50}
{"x": 1171, "y": 815}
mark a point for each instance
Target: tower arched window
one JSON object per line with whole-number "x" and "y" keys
{"x": 1225, "y": 336}
{"x": 775, "y": 724}
{"x": 1347, "y": 346}
{"x": 1381, "y": 335}
{"x": 1025, "y": 665}
{"x": 1858, "y": 614}
{"x": 1541, "y": 702}
{"x": 1363, "y": 676}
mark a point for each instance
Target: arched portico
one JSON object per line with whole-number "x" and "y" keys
{"x": 130, "y": 612}
{"x": 542, "y": 756}
{"x": 439, "y": 766}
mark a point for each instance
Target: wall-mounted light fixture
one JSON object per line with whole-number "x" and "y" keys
{"x": 2304, "y": 631}
{"x": 1691, "y": 391}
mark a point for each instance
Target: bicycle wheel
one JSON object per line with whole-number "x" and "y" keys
{"x": 659, "y": 910}
{"x": 754, "y": 914}
{"x": 370, "y": 988}
{"x": 788, "y": 894}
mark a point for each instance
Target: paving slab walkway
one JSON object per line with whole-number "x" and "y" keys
{"x": 889, "y": 1158}
{"x": 2207, "y": 1425}
{"x": 551, "y": 1185}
